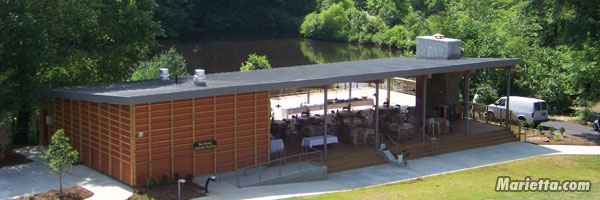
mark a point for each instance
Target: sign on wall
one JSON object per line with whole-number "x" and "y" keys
{"x": 205, "y": 144}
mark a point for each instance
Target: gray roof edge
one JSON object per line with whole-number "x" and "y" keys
{"x": 218, "y": 91}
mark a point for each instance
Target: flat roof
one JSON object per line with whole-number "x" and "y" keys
{"x": 139, "y": 92}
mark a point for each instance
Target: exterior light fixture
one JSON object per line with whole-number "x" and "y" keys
{"x": 213, "y": 179}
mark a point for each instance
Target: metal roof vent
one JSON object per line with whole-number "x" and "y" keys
{"x": 199, "y": 77}
{"x": 438, "y": 47}
{"x": 163, "y": 74}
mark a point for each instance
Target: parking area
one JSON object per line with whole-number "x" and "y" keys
{"x": 575, "y": 130}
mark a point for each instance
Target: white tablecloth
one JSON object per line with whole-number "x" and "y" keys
{"x": 318, "y": 141}
{"x": 276, "y": 145}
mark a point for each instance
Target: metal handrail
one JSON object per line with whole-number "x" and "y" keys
{"x": 300, "y": 155}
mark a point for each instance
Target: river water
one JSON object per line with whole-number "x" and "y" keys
{"x": 224, "y": 52}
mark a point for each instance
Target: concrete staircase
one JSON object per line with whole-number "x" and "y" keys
{"x": 448, "y": 144}
{"x": 353, "y": 160}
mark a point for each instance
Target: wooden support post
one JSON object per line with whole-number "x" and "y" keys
{"x": 194, "y": 136}
{"x": 215, "y": 132}
{"x": 150, "y": 139}
{"x": 467, "y": 99}
{"x": 389, "y": 91}
{"x": 376, "y": 115}
{"x": 424, "y": 118}
{"x": 132, "y": 143}
{"x": 235, "y": 146}
{"x": 172, "y": 138}
{"x": 325, "y": 121}
{"x": 507, "y": 97}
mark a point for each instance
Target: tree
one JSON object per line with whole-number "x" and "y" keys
{"x": 60, "y": 156}
{"x": 56, "y": 43}
{"x": 170, "y": 59}
{"x": 255, "y": 62}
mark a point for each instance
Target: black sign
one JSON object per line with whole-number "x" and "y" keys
{"x": 205, "y": 145}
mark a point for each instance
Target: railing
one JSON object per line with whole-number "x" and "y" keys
{"x": 280, "y": 162}
{"x": 235, "y": 163}
{"x": 497, "y": 116}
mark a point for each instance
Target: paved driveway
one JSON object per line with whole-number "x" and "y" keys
{"x": 575, "y": 130}
{"x": 35, "y": 177}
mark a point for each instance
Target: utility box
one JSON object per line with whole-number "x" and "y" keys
{"x": 430, "y": 47}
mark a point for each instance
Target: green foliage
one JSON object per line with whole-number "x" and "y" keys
{"x": 65, "y": 43}
{"x": 552, "y": 129}
{"x": 152, "y": 182}
{"x": 255, "y": 62}
{"x": 164, "y": 179}
{"x": 173, "y": 16}
{"x": 584, "y": 115}
{"x": 331, "y": 24}
{"x": 487, "y": 93}
{"x": 391, "y": 11}
{"x": 524, "y": 124}
{"x": 562, "y": 130}
{"x": 189, "y": 178}
{"x": 557, "y": 137}
{"x": 213, "y": 15}
{"x": 60, "y": 156}
{"x": 396, "y": 37}
{"x": 540, "y": 127}
{"x": 170, "y": 59}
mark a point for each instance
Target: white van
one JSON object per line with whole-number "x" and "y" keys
{"x": 524, "y": 108}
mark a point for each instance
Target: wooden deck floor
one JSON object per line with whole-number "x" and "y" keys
{"x": 342, "y": 157}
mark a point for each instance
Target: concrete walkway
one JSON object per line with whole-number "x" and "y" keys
{"x": 35, "y": 177}
{"x": 386, "y": 174}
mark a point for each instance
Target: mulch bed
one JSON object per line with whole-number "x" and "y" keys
{"x": 545, "y": 140}
{"x": 74, "y": 193}
{"x": 12, "y": 158}
{"x": 168, "y": 191}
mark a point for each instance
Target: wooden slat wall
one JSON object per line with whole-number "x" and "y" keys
{"x": 100, "y": 132}
{"x": 106, "y": 134}
{"x": 170, "y": 129}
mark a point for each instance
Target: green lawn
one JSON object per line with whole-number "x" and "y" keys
{"x": 480, "y": 183}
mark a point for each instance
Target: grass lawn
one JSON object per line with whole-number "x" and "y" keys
{"x": 480, "y": 183}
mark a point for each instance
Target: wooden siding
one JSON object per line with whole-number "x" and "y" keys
{"x": 99, "y": 132}
{"x": 106, "y": 135}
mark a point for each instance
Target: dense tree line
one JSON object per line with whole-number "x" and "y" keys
{"x": 557, "y": 40}
{"x": 56, "y": 43}
{"x": 181, "y": 17}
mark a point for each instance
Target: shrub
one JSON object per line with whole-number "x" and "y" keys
{"x": 584, "y": 115}
{"x": 176, "y": 176}
{"x": 539, "y": 127}
{"x": 396, "y": 37}
{"x": 189, "y": 178}
{"x": 170, "y": 59}
{"x": 151, "y": 182}
{"x": 552, "y": 129}
{"x": 332, "y": 23}
{"x": 562, "y": 130}
{"x": 255, "y": 62}
{"x": 557, "y": 138}
{"x": 165, "y": 178}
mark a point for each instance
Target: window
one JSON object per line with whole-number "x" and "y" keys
{"x": 538, "y": 106}
{"x": 501, "y": 102}
{"x": 544, "y": 107}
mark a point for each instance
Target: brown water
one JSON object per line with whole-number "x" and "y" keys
{"x": 226, "y": 52}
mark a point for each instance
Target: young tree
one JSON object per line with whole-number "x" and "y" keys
{"x": 255, "y": 62}
{"x": 170, "y": 59}
{"x": 60, "y": 156}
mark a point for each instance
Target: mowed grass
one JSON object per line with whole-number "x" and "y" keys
{"x": 480, "y": 183}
